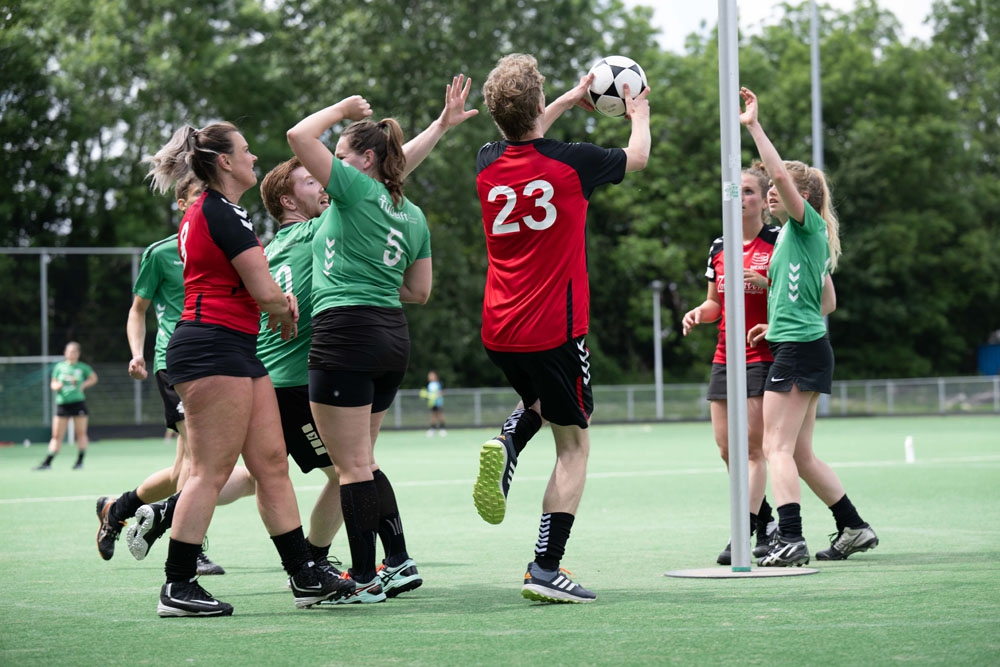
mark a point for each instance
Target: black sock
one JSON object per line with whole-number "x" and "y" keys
{"x": 390, "y": 526}
{"x": 171, "y": 505}
{"x": 79, "y": 457}
{"x": 48, "y": 460}
{"x": 521, "y": 426}
{"x": 753, "y": 523}
{"x": 293, "y": 550}
{"x": 790, "y": 522}
{"x": 359, "y": 502}
{"x": 182, "y": 561}
{"x": 764, "y": 515}
{"x": 553, "y": 533}
{"x": 318, "y": 553}
{"x": 125, "y": 506}
{"x": 845, "y": 514}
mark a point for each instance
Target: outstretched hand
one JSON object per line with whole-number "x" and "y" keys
{"x": 749, "y": 115}
{"x": 455, "y": 97}
{"x": 637, "y": 105}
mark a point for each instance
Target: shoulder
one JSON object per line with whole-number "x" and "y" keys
{"x": 769, "y": 234}
{"x": 717, "y": 245}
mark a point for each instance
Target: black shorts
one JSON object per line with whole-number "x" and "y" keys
{"x": 301, "y": 436}
{"x": 173, "y": 411}
{"x": 809, "y": 366}
{"x": 560, "y": 378}
{"x": 358, "y": 356}
{"x": 198, "y": 350}
{"x": 756, "y": 377}
{"x": 76, "y": 409}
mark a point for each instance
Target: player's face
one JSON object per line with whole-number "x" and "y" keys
{"x": 191, "y": 197}
{"x": 241, "y": 161}
{"x": 307, "y": 193}
{"x": 774, "y": 203}
{"x": 753, "y": 199}
{"x": 72, "y": 353}
{"x": 348, "y": 155}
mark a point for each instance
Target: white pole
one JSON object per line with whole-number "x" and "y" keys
{"x": 817, "y": 136}
{"x": 732, "y": 222}
{"x": 657, "y": 286}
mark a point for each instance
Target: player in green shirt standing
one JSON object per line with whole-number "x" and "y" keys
{"x": 806, "y": 251}
{"x": 70, "y": 378}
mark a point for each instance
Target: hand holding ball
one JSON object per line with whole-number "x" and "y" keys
{"x": 610, "y": 74}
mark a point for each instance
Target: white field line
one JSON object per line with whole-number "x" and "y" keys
{"x": 714, "y": 470}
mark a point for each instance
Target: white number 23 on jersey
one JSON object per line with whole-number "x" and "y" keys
{"x": 539, "y": 191}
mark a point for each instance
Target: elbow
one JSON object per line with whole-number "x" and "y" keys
{"x": 421, "y": 297}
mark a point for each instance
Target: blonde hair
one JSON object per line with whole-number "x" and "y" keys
{"x": 385, "y": 139}
{"x": 191, "y": 150}
{"x": 813, "y": 182}
{"x": 513, "y": 93}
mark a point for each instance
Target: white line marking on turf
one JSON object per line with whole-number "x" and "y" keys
{"x": 714, "y": 470}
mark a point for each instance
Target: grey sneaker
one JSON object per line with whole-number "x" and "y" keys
{"x": 785, "y": 553}
{"x": 553, "y": 586}
{"x": 497, "y": 461}
{"x": 206, "y": 566}
{"x": 849, "y": 541}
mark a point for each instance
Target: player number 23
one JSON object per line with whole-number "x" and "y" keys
{"x": 539, "y": 191}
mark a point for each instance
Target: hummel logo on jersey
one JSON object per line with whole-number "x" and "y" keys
{"x": 581, "y": 346}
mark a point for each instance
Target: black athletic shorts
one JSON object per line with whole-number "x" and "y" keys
{"x": 809, "y": 366}
{"x": 173, "y": 411}
{"x": 198, "y": 350}
{"x": 76, "y": 409}
{"x": 358, "y": 356}
{"x": 560, "y": 378}
{"x": 756, "y": 377}
{"x": 301, "y": 435}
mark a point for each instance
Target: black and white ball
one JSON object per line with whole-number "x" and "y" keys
{"x": 609, "y": 75}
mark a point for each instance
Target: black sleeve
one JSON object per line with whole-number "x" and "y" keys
{"x": 230, "y": 227}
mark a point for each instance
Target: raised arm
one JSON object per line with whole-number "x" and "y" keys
{"x": 790, "y": 197}
{"x": 578, "y": 96}
{"x": 454, "y": 113}
{"x": 637, "y": 110}
{"x": 304, "y": 138}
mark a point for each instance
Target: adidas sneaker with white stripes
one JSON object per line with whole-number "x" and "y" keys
{"x": 553, "y": 586}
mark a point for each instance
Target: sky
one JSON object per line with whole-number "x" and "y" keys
{"x": 678, "y": 18}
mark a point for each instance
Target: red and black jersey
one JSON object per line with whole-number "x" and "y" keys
{"x": 534, "y": 197}
{"x": 212, "y": 233}
{"x": 756, "y": 256}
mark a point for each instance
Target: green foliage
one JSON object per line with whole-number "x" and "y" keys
{"x": 912, "y": 153}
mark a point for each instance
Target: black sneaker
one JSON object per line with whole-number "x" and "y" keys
{"x": 206, "y": 566}
{"x": 313, "y": 584}
{"x": 553, "y": 586}
{"x": 110, "y": 529}
{"x": 44, "y": 466}
{"x": 849, "y": 541}
{"x": 765, "y": 538}
{"x": 188, "y": 598}
{"x": 150, "y": 525}
{"x": 329, "y": 565}
{"x": 726, "y": 557}
{"x": 78, "y": 465}
{"x": 497, "y": 461}
{"x": 786, "y": 553}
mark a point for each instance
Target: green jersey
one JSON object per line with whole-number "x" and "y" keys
{"x": 161, "y": 280}
{"x": 364, "y": 243}
{"x": 798, "y": 268}
{"x": 72, "y": 377}
{"x": 289, "y": 256}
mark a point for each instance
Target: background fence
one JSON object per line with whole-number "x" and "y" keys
{"x": 119, "y": 402}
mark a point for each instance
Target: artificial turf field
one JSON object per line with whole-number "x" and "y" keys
{"x": 656, "y": 501}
